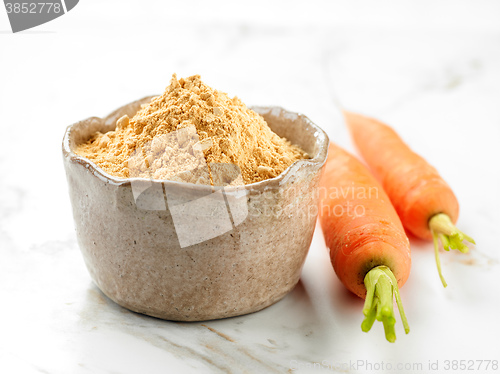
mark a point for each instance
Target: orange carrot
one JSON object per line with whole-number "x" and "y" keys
{"x": 369, "y": 249}
{"x": 425, "y": 203}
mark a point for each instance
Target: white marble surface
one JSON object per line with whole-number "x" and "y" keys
{"x": 431, "y": 69}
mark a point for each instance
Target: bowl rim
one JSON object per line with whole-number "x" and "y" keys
{"x": 318, "y": 160}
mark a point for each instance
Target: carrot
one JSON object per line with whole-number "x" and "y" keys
{"x": 425, "y": 203}
{"x": 369, "y": 250}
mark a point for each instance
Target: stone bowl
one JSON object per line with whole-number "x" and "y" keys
{"x": 192, "y": 252}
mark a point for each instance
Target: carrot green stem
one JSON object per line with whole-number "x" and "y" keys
{"x": 452, "y": 238}
{"x": 436, "y": 255}
{"x": 381, "y": 286}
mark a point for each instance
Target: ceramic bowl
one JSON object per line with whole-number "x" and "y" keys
{"x": 190, "y": 252}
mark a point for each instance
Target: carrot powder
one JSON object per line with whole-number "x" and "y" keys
{"x": 369, "y": 250}
{"x": 425, "y": 203}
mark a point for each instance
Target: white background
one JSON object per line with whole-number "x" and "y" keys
{"x": 429, "y": 68}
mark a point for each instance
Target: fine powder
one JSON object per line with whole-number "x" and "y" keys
{"x": 192, "y": 133}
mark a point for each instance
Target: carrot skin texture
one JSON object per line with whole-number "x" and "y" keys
{"x": 359, "y": 242}
{"x": 416, "y": 189}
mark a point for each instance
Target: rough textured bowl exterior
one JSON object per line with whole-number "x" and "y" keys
{"x": 134, "y": 254}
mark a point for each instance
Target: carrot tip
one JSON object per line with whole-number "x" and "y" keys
{"x": 451, "y": 238}
{"x": 381, "y": 287}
